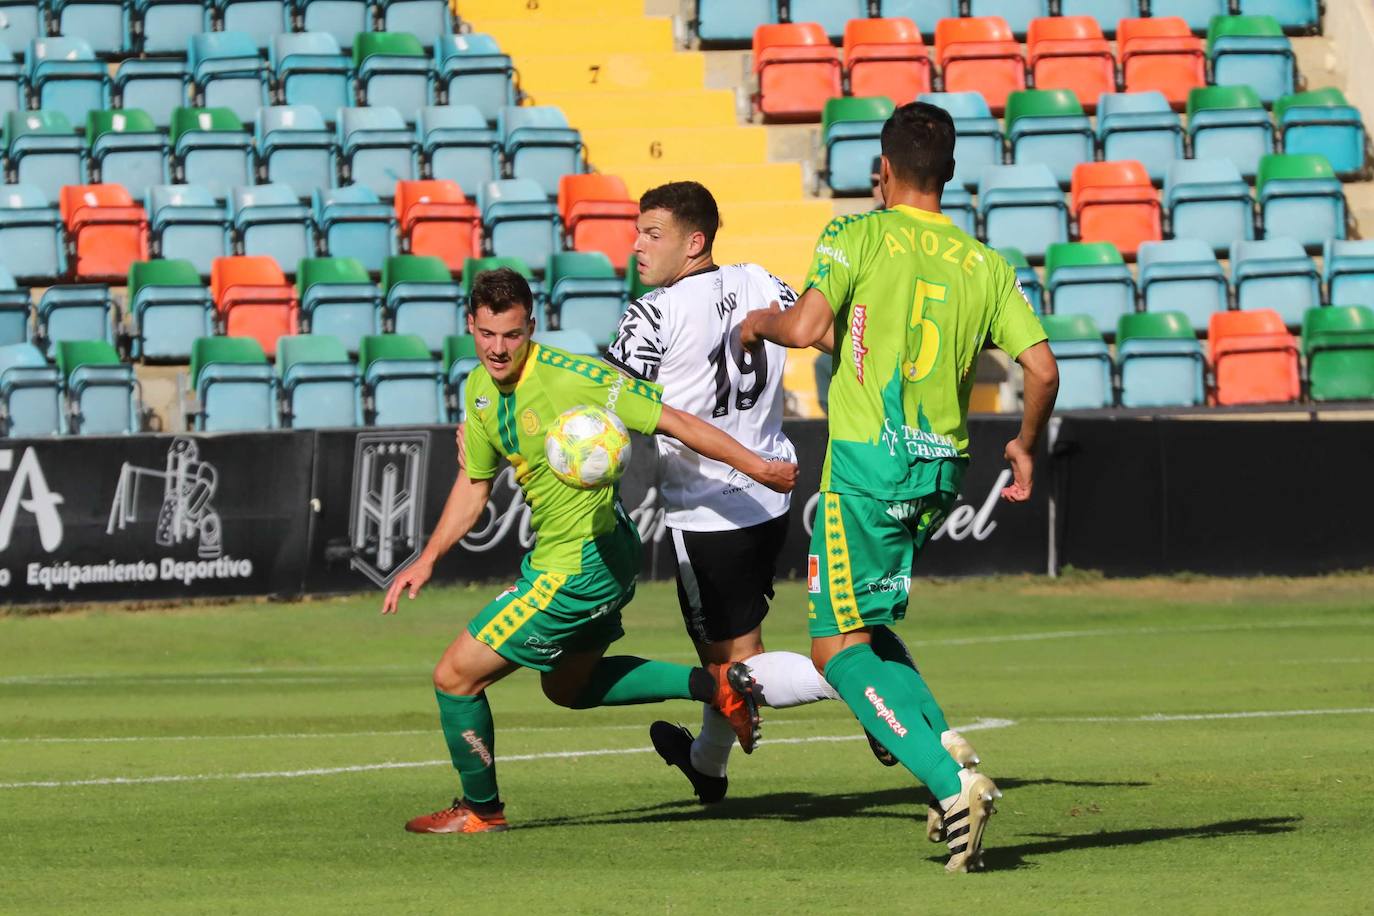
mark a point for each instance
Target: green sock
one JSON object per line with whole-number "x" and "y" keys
{"x": 886, "y": 699}
{"x": 624, "y": 680}
{"x": 471, "y": 738}
{"x": 888, "y": 646}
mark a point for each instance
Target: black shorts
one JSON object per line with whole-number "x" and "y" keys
{"x": 725, "y": 578}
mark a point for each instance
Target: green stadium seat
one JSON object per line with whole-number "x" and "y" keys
{"x": 460, "y": 358}
{"x": 1253, "y": 51}
{"x": 101, "y": 390}
{"x": 1160, "y": 360}
{"x": 319, "y": 383}
{"x": 1229, "y": 122}
{"x": 1301, "y": 198}
{"x": 1323, "y": 121}
{"x": 1049, "y": 126}
{"x": 339, "y": 299}
{"x": 422, "y": 298}
{"x": 585, "y": 294}
{"x": 851, "y": 129}
{"x": 126, "y": 147}
{"x": 1027, "y": 277}
{"x": 1338, "y": 342}
{"x": 170, "y": 308}
{"x": 1089, "y": 278}
{"x": 210, "y": 148}
{"x": 402, "y": 382}
{"x": 233, "y": 384}
{"x": 1085, "y": 365}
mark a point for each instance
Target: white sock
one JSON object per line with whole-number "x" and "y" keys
{"x": 947, "y": 803}
{"x": 786, "y": 679}
{"x": 711, "y": 748}
{"x": 949, "y": 736}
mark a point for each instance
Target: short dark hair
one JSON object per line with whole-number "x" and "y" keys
{"x": 918, "y": 141}
{"x": 689, "y": 202}
{"x": 501, "y": 289}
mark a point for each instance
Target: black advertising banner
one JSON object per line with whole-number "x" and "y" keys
{"x": 152, "y": 517}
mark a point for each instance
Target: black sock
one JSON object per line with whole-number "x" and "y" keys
{"x": 702, "y": 685}
{"x": 494, "y": 806}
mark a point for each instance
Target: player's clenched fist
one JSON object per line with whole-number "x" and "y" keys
{"x": 409, "y": 579}
{"x": 780, "y": 476}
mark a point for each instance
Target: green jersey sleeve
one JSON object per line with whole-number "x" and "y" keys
{"x": 1014, "y": 327}
{"x": 483, "y": 458}
{"x": 637, "y": 403}
{"x": 834, "y": 265}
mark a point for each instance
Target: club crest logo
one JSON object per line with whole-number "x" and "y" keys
{"x": 529, "y": 420}
{"x": 384, "y": 522}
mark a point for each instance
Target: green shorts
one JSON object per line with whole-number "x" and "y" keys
{"x": 859, "y": 568}
{"x": 547, "y": 613}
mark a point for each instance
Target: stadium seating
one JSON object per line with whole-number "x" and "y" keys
{"x": 74, "y": 313}
{"x": 831, "y": 15}
{"x": 376, "y": 149}
{"x": 1089, "y": 279}
{"x": 1348, "y": 269}
{"x": 1301, "y": 198}
{"x": 43, "y": 151}
{"x": 11, "y": 83}
{"x": 210, "y": 148}
{"x": 1294, "y": 14}
{"x": 31, "y": 244}
{"x": 850, "y": 131}
{"x": 1338, "y": 342}
{"x": 1018, "y": 13}
{"x": 598, "y": 215}
{"x": 460, "y": 358}
{"x": 585, "y": 294}
{"x": 311, "y": 69}
{"x": 103, "y": 24}
{"x": 102, "y": 394}
{"x": 731, "y": 21}
{"x": 472, "y": 70}
{"x": 1208, "y": 200}
{"x": 1275, "y": 274}
{"x": 1027, "y": 277}
{"x": 1085, "y": 364}
{"x": 340, "y": 19}
{"x": 1069, "y": 52}
{"x": 1106, "y": 13}
{"x": 15, "y": 306}
{"x": 1161, "y": 54}
{"x": 886, "y": 57}
{"x": 1022, "y": 206}
{"x": 978, "y": 54}
{"x": 1159, "y": 360}
{"x": 573, "y": 340}
{"x": 166, "y": 26}
{"x": 126, "y": 148}
{"x": 64, "y": 76}
{"x": 1254, "y": 358}
{"x": 354, "y": 223}
{"x": 294, "y": 148}
{"x": 422, "y": 299}
{"x": 797, "y": 70}
{"x": 155, "y": 86}
{"x": 1251, "y": 51}
{"x": 233, "y": 384}
{"x": 319, "y": 384}
{"x": 978, "y": 135}
{"x": 253, "y": 299}
{"x": 456, "y": 144}
{"x": 185, "y": 221}
{"x": 30, "y": 393}
{"x": 402, "y": 383}
{"x": 1322, "y": 121}
{"x": 475, "y": 266}
{"x": 226, "y": 72}
{"x": 268, "y": 219}
{"x": 538, "y": 145}
{"x": 338, "y": 300}
{"x": 1196, "y": 14}
{"x": 957, "y": 204}
{"x": 418, "y": 17}
{"x": 108, "y": 231}
{"x": 520, "y": 220}
{"x": 1182, "y": 275}
{"x": 1114, "y": 202}
{"x": 1229, "y": 122}
{"x": 392, "y": 68}
{"x": 24, "y": 21}
{"x": 1048, "y": 126}
{"x": 1139, "y": 126}
{"x": 260, "y": 20}
{"x": 169, "y": 308}
{"x": 435, "y": 218}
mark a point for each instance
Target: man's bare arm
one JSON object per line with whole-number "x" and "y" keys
{"x": 711, "y": 442}
{"x": 464, "y": 506}
{"x": 803, "y": 325}
{"x": 1040, "y": 389}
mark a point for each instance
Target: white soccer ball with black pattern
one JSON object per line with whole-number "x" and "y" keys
{"x": 587, "y": 447}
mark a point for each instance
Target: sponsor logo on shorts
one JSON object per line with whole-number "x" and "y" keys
{"x": 858, "y": 325}
{"x": 887, "y": 715}
{"x": 897, "y": 582}
{"x": 510, "y": 591}
{"x": 813, "y": 573}
{"x": 479, "y": 747}
{"x": 535, "y": 644}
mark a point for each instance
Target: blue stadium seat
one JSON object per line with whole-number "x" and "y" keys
{"x": 320, "y": 385}
{"x": 1085, "y": 364}
{"x": 472, "y": 70}
{"x": 166, "y": 26}
{"x": 1089, "y": 278}
{"x": 268, "y": 219}
{"x": 1291, "y": 14}
{"x": 354, "y": 223}
{"x": 1031, "y": 286}
{"x": 831, "y": 14}
{"x": 1022, "y": 207}
{"x": 1139, "y": 126}
{"x": 233, "y": 384}
{"x": 421, "y": 18}
{"x": 1048, "y": 126}
{"x": 15, "y": 307}
{"x": 572, "y": 340}
{"x": 339, "y": 299}
{"x": 1197, "y": 13}
{"x": 376, "y": 149}
{"x": 102, "y": 393}
{"x": 392, "y": 68}
{"x": 44, "y": 151}
{"x": 226, "y": 72}
{"x": 11, "y": 80}
{"x": 65, "y": 77}
{"x": 1275, "y": 274}
{"x": 1301, "y": 198}
{"x": 311, "y": 69}
{"x": 23, "y": 22}
{"x": 850, "y": 131}
{"x": 30, "y": 393}
{"x": 539, "y": 145}
{"x": 295, "y": 148}
{"x": 103, "y": 24}
{"x": 733, "y": 21}
{"x": 460, "y": 355}
{"x": 1207, "y": 199}
{"x": 169, "y": 308}
{"x": 1322, "y": 121}
{"x": 520, "y": 220}
{"x": 1018, "y": 13}
{"x": 957, "y": 204}
{"x": 1263, "y": 61}
{"x": 403, "y": 385}
{"x": 1107, "y": 13}
{"x": 210, "y": 148}
{"x": 156, "y": 86}
{"x": 423, "y": 299}
{"x": 585, "y": 294}
{"x": 31, "y": 244}
{"x": 126, "y": 147}
{"x": 978, "y": 134}
{"x": 343, "y": 19}
{"x": 1348, "y": 268}
{"x": 1228, "y": 122}
{"x": 1160, "y": 361}
{"x": 1182, "y": 275}
{"x": 74, "y": 313}
{"x": 186, "y": 222}
{"x": 260, "y": 20}
{"x": 925, "y": 13}
{"x": 458, "y": 145}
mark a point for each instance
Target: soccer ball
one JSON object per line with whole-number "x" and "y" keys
{"x": 587, "y": 447}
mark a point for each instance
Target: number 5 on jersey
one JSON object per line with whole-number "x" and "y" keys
{"x": 927, "y": 331}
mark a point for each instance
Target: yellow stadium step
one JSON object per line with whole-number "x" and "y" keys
{"x": 788, "y": 257}
{"x": 609, "y": 73}
{"x": 523, "y": 37}
{"x": 799, "y": 382}
{"x": 542, "y": 10}
{"x": 685, "y": 108}
{"x": 761, "y": 181}
{"x": 771, "y": 217}
{"x": 628, "y": 146}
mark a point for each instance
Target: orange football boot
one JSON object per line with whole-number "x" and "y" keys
{"x": 458, "y": 818}
{"x": 736, "y": 700}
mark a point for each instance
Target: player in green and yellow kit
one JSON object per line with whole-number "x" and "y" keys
{"x": 564, "y": 611}
{"x": 910, "y": 299}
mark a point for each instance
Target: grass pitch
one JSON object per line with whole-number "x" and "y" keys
{"x": 1164, "y": 745}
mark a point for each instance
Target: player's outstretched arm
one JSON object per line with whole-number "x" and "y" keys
{"x": 805, "y": 324}
{"x": 1041, "y": 388}
{"x": 465, "y": 503}
{"x": 705, "y": 439}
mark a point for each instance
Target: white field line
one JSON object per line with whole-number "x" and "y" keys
{"x": 1210, "y": 716}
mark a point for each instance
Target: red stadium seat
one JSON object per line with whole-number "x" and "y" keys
{"x": 978, "y": 54}
{"x": 886, "y": 57}
{"x": 1254, "y": 357}
{"x": 253, "y": 299}
{"x": 599, "y": 215}
{"x": 108, "y": 230}
{"x": 436, "y": 218}
{"x": 1115, "y": 202}
{"x": 1161, "y": 54}
{"x": 797, "y": 70}
{"x": 1069, "y": 52}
